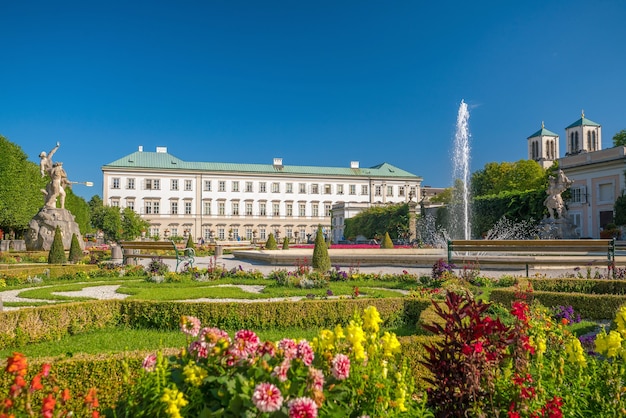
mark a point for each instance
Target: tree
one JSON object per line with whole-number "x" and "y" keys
{"x": 320, "y": 260}
{"x": 619, "y": 139}
{"x": 133, "y": 224}
{"x": 386, "y": 242}
{"x": 115, "y": 224}
{"x": 80, "y": 209}
{"x": 190, "y": 243}
{"x": 20, "y": 184}
{"x": 271, "y": 244}
{"x": 496, "y": 178}
{"x": 285, "y": 243}
{"x": 56, "y": 255}
{"x": 76, "y": 253}
{"x": 377, "y": 220}
{"x": 620, "y": 210}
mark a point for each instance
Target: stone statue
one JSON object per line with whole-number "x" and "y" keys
{"x": 45, "y": 163}
{"x": 58, "y": 178}
{"x": 554, "y": 201}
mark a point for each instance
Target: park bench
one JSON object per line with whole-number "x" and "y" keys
{"x": 157, "y": 249}
{"x": 546, "y": 252}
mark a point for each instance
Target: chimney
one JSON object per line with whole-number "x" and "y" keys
{"x": 140, "y": 148}
{"x": 278, "y": 162}
{"x": 354, "y": 164}
{"x": 161, "y": 150}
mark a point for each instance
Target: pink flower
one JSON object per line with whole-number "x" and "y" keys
{"x": 267, "y": 397}
{"x": 199, "y": 349}
{"x": 268, "y": 348}
{"x": 149, "y": 363}
{"x": 213, "y": 335}
{"x": 316, "y": 380}
{"x": 289, "y": 347}
{"x": 190, "y": 325}
{"x": 341, "y": 367}
{"x": 281, "y": 370}
{"x": 302, "y": 408}
{"x": 305, "y": 352}
{"x": 246, "y": 342}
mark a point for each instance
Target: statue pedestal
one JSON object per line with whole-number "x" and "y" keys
{"x": 41, "y": 229}
{"x": 560, "y": 228}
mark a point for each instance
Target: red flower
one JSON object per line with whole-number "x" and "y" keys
{"x": 35, "y": 384}
{"x": 520, "y": 310}
{"x": 45, "y": 369}
{"x": 48, "y": 406}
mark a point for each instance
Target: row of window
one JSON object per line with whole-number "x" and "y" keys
{"x": 153, "y": 207}
{"x": 275, "y": 187}
{"x": 249, "y": 233}
{"x": 592, "y": 143}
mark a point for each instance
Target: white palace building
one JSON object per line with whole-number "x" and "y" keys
{"x": 247, "y": 201}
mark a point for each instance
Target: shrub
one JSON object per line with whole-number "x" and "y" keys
{"x": 57, "y": 252}
{"x": 320, "y": 260}
{"x": 285, "y": 243}
{"x": 190, "y": 243}
{"x": 271, "y": 244}
{"x": 157, "y": 267}
{"x": 76, "y": 254}
{"x": 386, "y": 243}
{"x": 440, "y": 268}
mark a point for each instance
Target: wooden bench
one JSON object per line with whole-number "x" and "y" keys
{"x": 554, "y": 252}
{"x": 160, "y": 249}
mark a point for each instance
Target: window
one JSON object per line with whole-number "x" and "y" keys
{"x": 262, "y": 187}
{"x": 235, "y": 186}
{"x": 340, "y": 189}
{"x": 327, "y": 208}
{"x": 130, "y": 184}
{"x": 275, "y": 187}
{"x": 412, "y": 191}
{"x": 378, "y": 191}
{"x": 262, "y": 209}
{"x": 155, "y": 207}
{"x": 262, "y": 234}
{"x": 302, "y": 233}
{"x": 236, "y": 234}
{"x": 315, "y": 189}
{"x": 207, "y": 185}
{"x": 302, "y": 210}
{"x": 152, "y": 207}
{"x": 188, "y": 187}
{"x": 248, "y": 209}
{"x": 315, "y": 209}
{"x": 187, "y": 208}
{"x": 302, "y": 188}
{"x": 174, "y": 208}
{"x": 207, "y": 234}
{"x": 235, "y": 207}
{"x": 221, "y": 208}
{"x": 605, "y": 193}
{"x": 221, "y": 186}
{"x": 289, "y": 232}
{"x": 275, "y": 209}
{"x": 289, "y": 188}
{"x": 353, "y": 189}
{"x": 578, "y": 194}
{"x": 116, "y": 183}
{"x": 389, "y": 190}
{"x": 174, "y": 232}
{"x": 130, "y": 204}
{"x": 248, "y": 187}
{"x": 220, "y": 233}
{"x": 174, "y": 184}
{"x": 400, "y": 190}
{"x": 207, "y": 207}
{"x": 364, "y": 190}
{"x": 153, "y": 184}
{"x": 328, "y": 189}
{"x": 115, "y": 203}
{"x": 148, "y": 207}
{"x": 249, "y": 234}
{"x": 289, "y": 209}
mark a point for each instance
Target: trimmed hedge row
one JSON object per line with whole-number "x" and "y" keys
{"x": 591, "y": 286}
{"x": 594, "y": 307}
{"x": 53, "y": 322}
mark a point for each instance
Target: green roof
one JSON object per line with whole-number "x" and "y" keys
{"x": 542, "y": 132}
{"x": 166, "y": 161}
{"x": 583, "y": 121}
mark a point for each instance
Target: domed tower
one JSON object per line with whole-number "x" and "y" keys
{"x": 584, "y": 135}
{"x": 543, "y": 147}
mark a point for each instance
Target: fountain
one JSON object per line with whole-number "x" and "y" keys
{"x": 460, "y": 227}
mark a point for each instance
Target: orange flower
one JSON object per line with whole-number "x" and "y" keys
{"x": 19, "y": 381}
{"x": 17, "y": 364}
{"x": 48, "y": 406}
{"x": 564, "y": 321}
{"x": 36, "y": 383}
{"x": 65, "y": 395}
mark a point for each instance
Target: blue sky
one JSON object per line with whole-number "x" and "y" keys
{"x": 316, "y": 83}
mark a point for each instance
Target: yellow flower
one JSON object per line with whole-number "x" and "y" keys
{"x": 174, "y": 400}
{"x": 194, "y": 374}
{"x": 575, "y": 352}
{"x": 339, "y": 335}
{"x": 356, "y": 337}
{"x": 371, "y": 319}
{"x": 620, "y": 320}
{"x": 326, "y": 340}
{"x": 390, "y": 344}
{"x": 609, "y": 345}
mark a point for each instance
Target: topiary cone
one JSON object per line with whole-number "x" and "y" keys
{"x": 56, "y": 255}
{"x": 387, "y": 243}
{"x": 76, "y": 253}
{"x": 321, "y": 259}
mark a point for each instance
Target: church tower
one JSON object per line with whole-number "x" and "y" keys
{"x": 543, "y": 147}
{"x": 584, "y": 135}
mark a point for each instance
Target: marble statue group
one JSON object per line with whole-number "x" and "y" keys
{"x": 554, "y": 201}
{"x": 58, "y": 179}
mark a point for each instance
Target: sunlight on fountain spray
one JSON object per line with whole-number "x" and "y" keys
{"x": 460, "y": 218}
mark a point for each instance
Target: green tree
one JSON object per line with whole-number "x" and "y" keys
{"x": 386, "y": 242}
{"x": 190, "y": 243}
{"x": 76, "y": 253}
{"x": 80, "y": 209}
{"x": 132, "y": 224}
{"x": 285, "y": 243}
{"x": 620, "y": 210}
{"x": 619, "y": 139}
{"x": 496, "y": 178}
{"x": 271, "y": 244}
{"x": 115, "y": 224}
{"x": 321, "y": 259}
{"x": 20, "y": 185}
{"x": 377, "y": 220}
{"x": 56, "y": 255}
